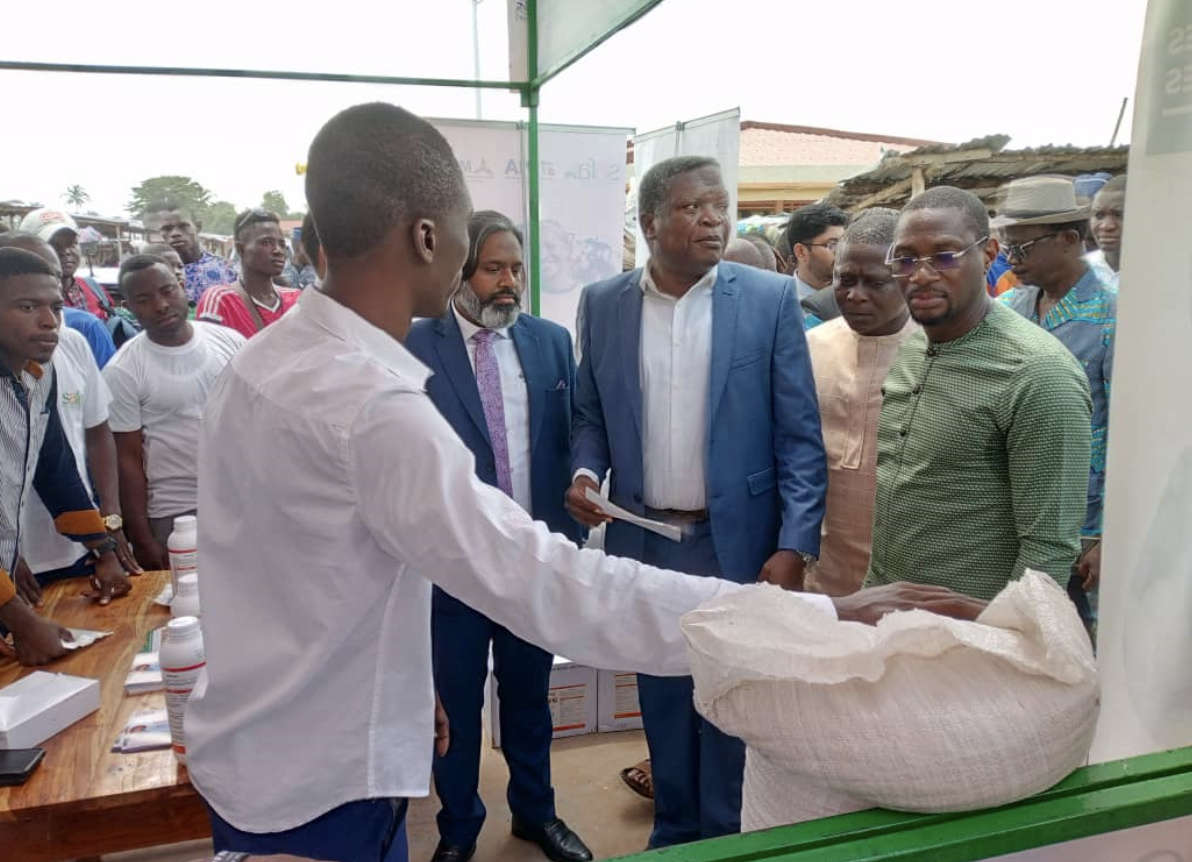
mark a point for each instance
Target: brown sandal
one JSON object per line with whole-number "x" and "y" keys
{"x": 640, "y": 779}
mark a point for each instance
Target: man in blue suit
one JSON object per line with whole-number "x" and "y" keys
{"x": 504, "y": 381}
{"x": 695, "y": 390}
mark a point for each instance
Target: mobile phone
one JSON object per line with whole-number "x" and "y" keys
{"x": 17, "y": 764}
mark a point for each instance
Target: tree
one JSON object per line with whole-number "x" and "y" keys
{"x": 275, "y": 201}
{"x": 76, "y": 196}
{"x": 181, "y": 191}
{"x": 220, "y": 218}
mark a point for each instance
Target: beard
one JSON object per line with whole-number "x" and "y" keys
{"x": 487, "y": 314}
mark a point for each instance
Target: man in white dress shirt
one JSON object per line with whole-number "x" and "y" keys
{"x": 334, "y": 494}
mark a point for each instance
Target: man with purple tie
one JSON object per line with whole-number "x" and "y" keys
{"x": 503, "y": 380}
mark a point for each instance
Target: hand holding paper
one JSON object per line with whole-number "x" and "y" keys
{"x": 669, "y": 531}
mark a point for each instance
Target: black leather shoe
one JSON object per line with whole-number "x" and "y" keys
{"x": 451, "y": 853}
{"x": 557, "y": 841}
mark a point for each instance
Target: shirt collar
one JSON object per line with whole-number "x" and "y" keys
{"x": 1088, "y": 285}
{"x": 649, "y": 287}
{"x": 468, "y": 329}
{"x": 346, "y": 324}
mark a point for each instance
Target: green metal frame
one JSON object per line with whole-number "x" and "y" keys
{"x": 529, "y": 90}
{"x": 1092, "y": 801}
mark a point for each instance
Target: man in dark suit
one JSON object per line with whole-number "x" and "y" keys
{"x": 695, "y": 389}
{"x": 504, "y": 381}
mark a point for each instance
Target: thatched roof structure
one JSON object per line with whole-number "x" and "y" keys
{"x": 982, "y": 166}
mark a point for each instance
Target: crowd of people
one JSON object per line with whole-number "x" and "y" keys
{"x": 888, "y": 410}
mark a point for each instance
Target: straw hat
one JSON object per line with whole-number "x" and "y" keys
{"x": 1040, "y": 200}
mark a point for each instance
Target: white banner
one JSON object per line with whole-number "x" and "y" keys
{"x": 582, "y": 195}
{"x": 582, "y": 211}
{"x": 1145, "y": 638}
{"x": 718, "y": 136}
{"x": 1145, "y": 629}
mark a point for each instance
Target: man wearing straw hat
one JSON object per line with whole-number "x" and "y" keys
{"x": 1045, "y": 228}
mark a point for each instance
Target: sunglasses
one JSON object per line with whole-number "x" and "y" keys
{"x": 1022, "y": 249}
{"x": 941, "y": 261}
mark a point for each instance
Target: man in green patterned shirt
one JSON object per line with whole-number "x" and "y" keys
{"x": 983, "y": 442}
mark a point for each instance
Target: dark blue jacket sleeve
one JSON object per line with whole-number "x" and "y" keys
{"x": 589, "y": 437}
{"x": 798, "y": 442}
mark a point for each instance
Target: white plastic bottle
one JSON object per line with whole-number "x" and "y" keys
{"x": 183, "y": 547}
{"x": 186, "y": 599}
{"x": 182, "y": 659}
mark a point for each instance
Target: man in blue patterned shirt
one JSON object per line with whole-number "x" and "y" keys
{"x": 1045, "y": 230}
{"x": 179, "y": 228}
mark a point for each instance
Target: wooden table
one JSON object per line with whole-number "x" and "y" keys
{"x": 84, "y": 800}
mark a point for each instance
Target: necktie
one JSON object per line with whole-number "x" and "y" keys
{"x": 488, "y": 381}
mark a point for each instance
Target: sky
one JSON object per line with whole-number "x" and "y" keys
{"x": 1041, "y": 71}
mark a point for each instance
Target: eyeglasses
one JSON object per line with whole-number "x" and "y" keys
{"x": 1021, "y": 250}
{"x": 941, "y": 261}
{"x": 830, "y": 245}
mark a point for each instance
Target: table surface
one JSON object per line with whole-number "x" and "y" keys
{"x": 84, "y": 799}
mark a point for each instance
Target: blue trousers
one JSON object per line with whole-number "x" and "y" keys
{"x": 371, "y": 830}
{"x": 461, "y": 638}
{"x": 697, "y": 769}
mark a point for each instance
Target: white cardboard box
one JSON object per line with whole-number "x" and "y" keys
{"x": 572, "y": 700}
{"x": 616, "y": 702}
{"x": 37, "y": 706}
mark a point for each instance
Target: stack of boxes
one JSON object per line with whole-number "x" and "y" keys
{"x": 582, "y": 700}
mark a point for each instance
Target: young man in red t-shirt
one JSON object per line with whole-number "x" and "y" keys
{"x": 253, "y": 301}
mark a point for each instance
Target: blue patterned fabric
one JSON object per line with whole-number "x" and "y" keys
{"x": 208, "y": 271}
{"x": 1085, "y": 320}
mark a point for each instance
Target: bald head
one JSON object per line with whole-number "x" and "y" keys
{"x": 37, "y": 245}
{"x": 744, "y": 252}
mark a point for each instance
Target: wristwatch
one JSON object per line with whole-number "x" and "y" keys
{"x": 807, "y": 558}
{"x": 108, "y": 544}
{"x": 113, "y": 522}
{"x": 229, "y": 856}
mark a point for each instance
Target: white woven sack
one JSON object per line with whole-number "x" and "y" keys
{"x": 919, "y": 713}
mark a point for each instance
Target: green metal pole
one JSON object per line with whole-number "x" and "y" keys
{"x": 259, "y": 74}
{"x": 530, "y": 101}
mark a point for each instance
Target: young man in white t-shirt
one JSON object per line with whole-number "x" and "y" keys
{"x": 159, "y": 382}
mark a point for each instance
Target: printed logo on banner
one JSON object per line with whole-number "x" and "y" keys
{"x": 546, "y": 169}
{"x": 1170, "y": 128}
{"x": 475, "y": 170}
{"x": 591, "y": 171}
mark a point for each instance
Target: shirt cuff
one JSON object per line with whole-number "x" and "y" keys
{"x": 584, "y": 471}
{"x": 8, "y": 588}
{"x": 83, "y": 525}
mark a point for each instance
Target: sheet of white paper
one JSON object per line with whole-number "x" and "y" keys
{"x": 669, "y": 531}
{"x": 83, "y": 638}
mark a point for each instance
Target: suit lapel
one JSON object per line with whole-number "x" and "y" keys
{"x": 453, "y": 354}
{"x": 726, "y": 297}
{"x": 630, "y": 331}
{"x": 529, "y": 353}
